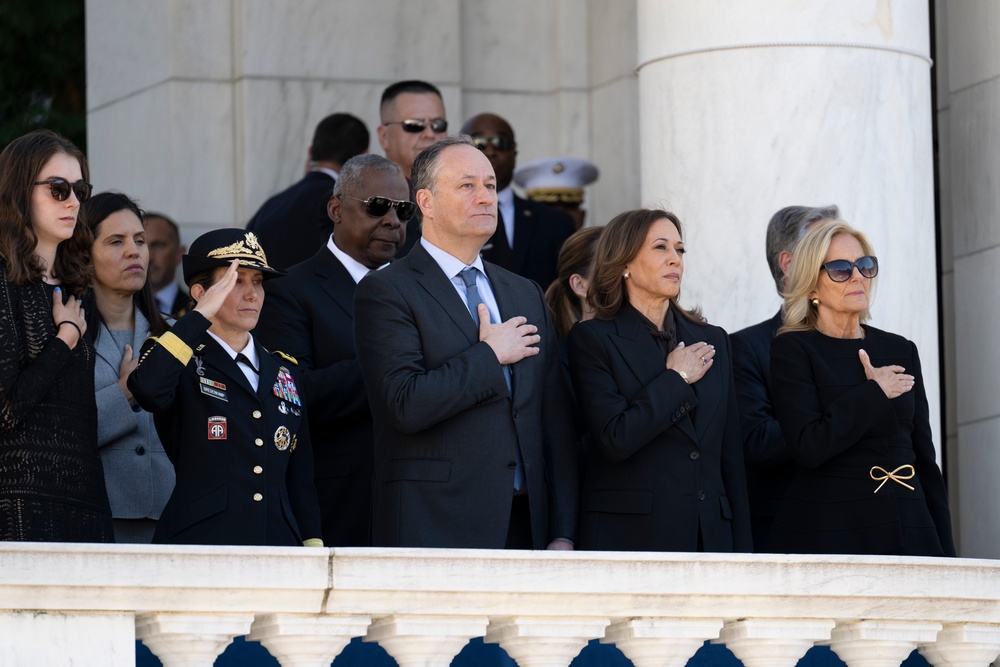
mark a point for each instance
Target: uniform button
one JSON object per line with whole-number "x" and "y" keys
{"x": 512, "y": 465}
{"x": 256, "y": 414}
{"x": 258, "y": 497}
{"x": 701, "y": 495}
{"x": 258, "y": 442}
{"x": 140, "y": 450}
{"x": 694, "y": 456}
{"x": 257, "y": 470}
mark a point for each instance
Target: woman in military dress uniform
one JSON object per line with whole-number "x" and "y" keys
{"x": 228, "y": 411}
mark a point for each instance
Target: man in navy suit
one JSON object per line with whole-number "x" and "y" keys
{"x": 474, "y": 438}
{"x": 294, "y": 224}
{"x": 529, "y": 234}
{"x": 770, "y": 468}
{"x": 310, "y": 314}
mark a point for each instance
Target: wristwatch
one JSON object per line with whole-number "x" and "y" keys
{"x": 684, "y": 376}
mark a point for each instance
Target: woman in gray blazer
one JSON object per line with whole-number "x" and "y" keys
{"x": 138, "y": 473}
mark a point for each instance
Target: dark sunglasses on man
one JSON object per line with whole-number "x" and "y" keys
{"x": 60, "y": 189}
{"x": 840, "y": 270}
{"x": 414, "y": 126}
{"x": 498, "y": 141}
{"x": 378, "y": 207}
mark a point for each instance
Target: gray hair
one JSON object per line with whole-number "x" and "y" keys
{"x": 785, "y": 229}
{"x": 351, "y": 178}
{"x": 423, "y": 174}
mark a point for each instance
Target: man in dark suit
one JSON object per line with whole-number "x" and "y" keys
{"x": 529, "y": 234}
{"x": 770, "y": 469}
{"x": 310, "y": 314}
{"x": 412, "y": 117}
{"x": 294, "y": 224}
{"x": 163, "y": 238}
{"x": 474, "y": 439}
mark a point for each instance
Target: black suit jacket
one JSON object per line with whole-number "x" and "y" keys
{"x": 770, "y": 468}
{"x": 293, "y": 224}
{"x": 446, "y": 427}
{"x": 242, "y": 457}
{"x": 664, "y": 465}
{"x": 180, "y": 305}
{"x": 539, "y": 232}
{"x": 838, "y": 425}
{"x": 310, "y": 314}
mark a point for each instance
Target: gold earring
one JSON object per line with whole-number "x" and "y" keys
{"x": 815, "y": 302}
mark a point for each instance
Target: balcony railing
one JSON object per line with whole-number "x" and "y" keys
{"x": 423, "y": 605}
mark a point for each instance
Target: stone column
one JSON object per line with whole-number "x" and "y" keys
{"x": 747, "y": 107}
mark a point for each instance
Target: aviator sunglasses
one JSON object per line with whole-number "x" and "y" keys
{"x": 378, "y": 207}
{"x": 413, "y": 126}
{"x": 499, "y": 142}
{"x": 840, "y": 270}
{"x": 60, "y": 189}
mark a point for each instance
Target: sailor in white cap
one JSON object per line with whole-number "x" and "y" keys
{"x": 559, "y": 182}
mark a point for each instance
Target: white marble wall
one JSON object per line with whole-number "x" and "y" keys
{"x": 970, "y": 165}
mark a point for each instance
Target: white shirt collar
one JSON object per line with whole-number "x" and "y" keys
{"x": 250, "y": 351}
{"x": 165, "y": 297}
{"x": 353, "y": 266}
{"x": 505, "y": 204}
{"x": 450, "y": 264}
{"x": 329, "y": 172}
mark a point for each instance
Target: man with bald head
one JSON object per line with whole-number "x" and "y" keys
{"x": 474, "y": 438}
{"x": 529, "y": 234}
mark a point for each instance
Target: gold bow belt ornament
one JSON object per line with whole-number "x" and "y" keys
{"x": 895, "y": 476}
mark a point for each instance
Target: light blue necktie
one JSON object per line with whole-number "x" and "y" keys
{"x": 472, "y": 300}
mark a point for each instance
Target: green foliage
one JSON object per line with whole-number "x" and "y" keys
{"x": 42, "y": 69}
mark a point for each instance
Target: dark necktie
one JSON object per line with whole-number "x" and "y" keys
{"x": 472, "y": 300}
{"x": 243, "y": 359}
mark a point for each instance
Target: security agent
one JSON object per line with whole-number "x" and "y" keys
{"x": 229, "y": 413}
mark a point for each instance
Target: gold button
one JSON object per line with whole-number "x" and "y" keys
{"x": 258, "y": 442}
{"x": 257, "y": 470}
{"x": 258, "y": 497}
{"x": 256, "y": 414}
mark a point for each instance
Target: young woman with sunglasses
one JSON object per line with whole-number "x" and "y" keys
{"x": 850, "y": 400}
{"x": 51, "y": 479}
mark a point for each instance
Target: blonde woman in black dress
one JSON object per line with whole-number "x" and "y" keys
{"x": 51, "y": 479}
{"x": 851, "y": 403}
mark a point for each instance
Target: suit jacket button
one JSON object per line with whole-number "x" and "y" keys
{"x": 512, "y": 465}
{"x": 257, "y": 470}
{"x": 256, "y": 414}
{"x": 694, "y": 456}
{"x": 258, "y": 442}
{"x": 683, "y": 408}
{"x": 258, "y": 497}
{"x": 514, "y": 413}
{"x": 140, "y": 450}
{"x": 701, "y": 495}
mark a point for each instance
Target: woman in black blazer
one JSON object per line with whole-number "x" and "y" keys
{"x": 850, "y": 400}
{"x": 664, "y": 469}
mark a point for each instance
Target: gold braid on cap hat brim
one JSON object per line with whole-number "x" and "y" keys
{"x": 556, "y": 195}
{"x": 248, "y": 248}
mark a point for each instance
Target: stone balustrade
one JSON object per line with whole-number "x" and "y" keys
{"x": 423, "y": 605}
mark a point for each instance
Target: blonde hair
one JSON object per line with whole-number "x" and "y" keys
{"x": 798, "y": 313}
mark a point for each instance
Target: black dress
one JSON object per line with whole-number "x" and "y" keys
{"x": 51, "y": 478}
{"x": 839, "y": 426}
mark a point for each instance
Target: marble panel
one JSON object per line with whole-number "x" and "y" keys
{"x": 533, "y": 117}
{"x": 974, "y": 144}
{"x": 614, "y": 136}
{"x": 973, "y": 50}
{"x": 730, "y": 137}
{"x": 941, "y": 55}
{"x": 613, "y": 30}
{"x": 40, "y": 638}
{"x": 377, "y": 40}
{"x": 572, "y": 55}
{"x": 946, "y": 239}
{"x": 979, "y": 494}
{"x": 128, "y": 48}
{"x": 951, "y": 477}
{"x": 511, "y": 46}
{"x": 977, "y": 319}
{"x": 677, "y": 27}
{"x": 949, "y": 373}
{"x": 569, "y": 119}
{"x": 201, "y": 39}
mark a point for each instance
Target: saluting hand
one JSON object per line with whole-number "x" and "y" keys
{"x": 892, "y": 379}
{"x": 511, "y": 341}
{"x": 695, "y": 360}
{"x": 215, "y": 295}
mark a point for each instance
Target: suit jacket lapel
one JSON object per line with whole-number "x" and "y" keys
{"x": 440, "y": 288}
{"x": 219, "y": 361}
{"x": 524, "y": 232}
{"x": 106, "y": 348}
{"x": 336, "y": 281}
{"x": 709, "y": 389}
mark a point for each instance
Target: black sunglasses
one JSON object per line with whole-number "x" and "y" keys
{"x": 378, "y": 207}
{"x": 840, "y": 270}
{"x": 60, "y": 189}
{"x": 413, "y": 126}
{"x": 498, "y": 141}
